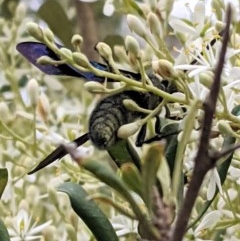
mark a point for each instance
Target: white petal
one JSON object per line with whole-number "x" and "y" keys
{"x": 209, "y": 220}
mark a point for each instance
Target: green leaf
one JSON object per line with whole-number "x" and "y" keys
{"x": 3, "y": 180}
{"x": 3, "y": 232}
{"x": 132, "y": 177}
{"x": 124, "y": 152}
{"x": 149, "y": 172}
{"x": 106, "y": 175}
{"x": 89, "y": 212}
{"x": 132, "y": 5}
{"x": 55, "y": 16}
{"x": 171, "y": 129}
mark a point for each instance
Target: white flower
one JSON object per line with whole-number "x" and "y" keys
{"x": 24, "y": 229}
{"x": 190, "y": 19}
{"x": 214, "y": 182}
{"x": 209, "y": 220}
{"x": 124, "y": 226}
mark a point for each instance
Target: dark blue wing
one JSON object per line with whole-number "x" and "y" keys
{"x": 58, "y": 153}
{"x": 34, "y": 50}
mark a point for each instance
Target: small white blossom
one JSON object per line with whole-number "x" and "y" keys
{"x": 24, "y": 229}
{"x": 214, "y": 182}
{"x": 124, "y": 226}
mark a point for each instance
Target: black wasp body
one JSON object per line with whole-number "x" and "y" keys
{"x": 109, "y": 114}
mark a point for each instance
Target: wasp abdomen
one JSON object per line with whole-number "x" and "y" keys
{"x": 106, "y": 119}
{"x": 110, "y": 114}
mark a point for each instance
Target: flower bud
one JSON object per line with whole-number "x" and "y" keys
{"x": 74, "y": 219}
{"x": 70, "y": 231}
{"x": 136, "y": 25}
{"x": 66, "y": 52}
{"x": 81, "y": 60}
{"x": 164, "y": 68}
{"x": 49, "y": 233}
{"x": 120, "y": 53}
{"x": 128, "y": 130}
{"x": 33, "y": 91}
{"x": 130, "y": 105}
{"x": 154, "y": 24}
{"x": 35, "y": 31}
{"x": 4, "y": 112}
{"x": 94, "y": 87}
{"x": 48, "y": 34}
{"x": 43, "y": 106}
{"x": 77, "y": 41}
{"x": 219, "y": 26}
{"x": 236, "y": 63}
{"x": 44, "y": 60}
{"x": 20, "y": 12}
{"x": 104, "y": 50}
{"x": 235, "y": 40}
{"x": 52, "y": 195}
{"x": 224, "y": 127}
{"x": 132, "y": 46}
{"x": 23, "y": 205}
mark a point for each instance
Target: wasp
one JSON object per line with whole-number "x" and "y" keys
{"x": 110, "y": 113}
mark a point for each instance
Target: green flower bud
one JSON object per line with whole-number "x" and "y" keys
{"x": 74, "y": 220}
{"x": 24, "y": 205}
{"x": 66, "y": 52}
{"x": 104, "y": 50}
{"x": 120, "y": 53}
{"x": 35, "y": 31}
{"x": 48, "y": 34}
{"x": 20, "y": 12}
{"x": 136, "y": 25}
{"x": 43, "y": 106}
{"x": 43, "y": 60}
{"x": 132, "y": 46}
{"x": 33, "y": 91}
{"x": 70, "y": 231}
{"x": 81, "y": 60}
{"x": 130, "y": 105}
{"x": 164, "y": 68}
{"x": 77, "y": 41}
{"x": 128, "y": 130}
{"x": 49, "y": 233}
{"x": 154, "y": 24}
{"x": 94, "y": 87}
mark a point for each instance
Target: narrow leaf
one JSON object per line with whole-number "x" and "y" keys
{"x": 3, "y": 232}
{"x": 3, "y": 180}
{"x": 55, "y": 16}
{"x": 89, "y": 212}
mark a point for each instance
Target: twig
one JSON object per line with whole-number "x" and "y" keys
{"x": 203, "y": 162}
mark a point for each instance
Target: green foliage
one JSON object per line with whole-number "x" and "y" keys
{"x": 143, "y": 188}
{"x": 89, "y": 212}
{"x": 3, "y": 232}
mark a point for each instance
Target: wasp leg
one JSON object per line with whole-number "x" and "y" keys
{"x": 159, "y": 136}
{"x": 141, "y": 136}
{"x": 142, "y": 133}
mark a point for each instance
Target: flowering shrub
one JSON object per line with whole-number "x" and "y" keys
{"x": 160, "y": 197}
